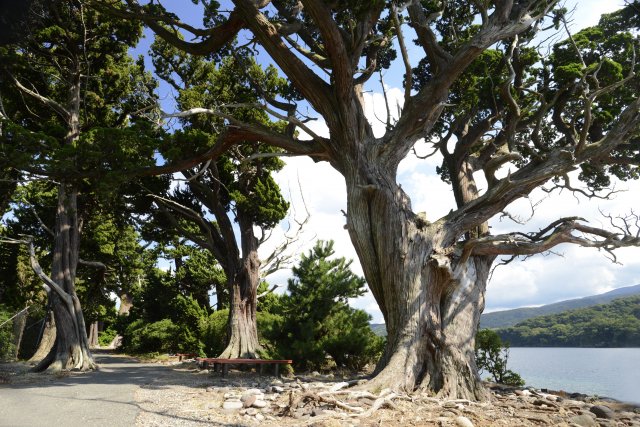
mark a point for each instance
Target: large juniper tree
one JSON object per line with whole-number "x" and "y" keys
{"x": 233, "y": 189}
{"x": 68, "y": 88}
{"x": 485, "y": 99}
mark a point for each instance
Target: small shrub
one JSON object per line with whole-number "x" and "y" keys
{"x": 163, "y": 337}
{"x": 351, "y": 342}
{"x": 213, "y": 330}
{"x": 7, "y": 340}
{"x": 106, "y": 337}
{"x": 269, "y": 334}
{"x": 492, "y": 356}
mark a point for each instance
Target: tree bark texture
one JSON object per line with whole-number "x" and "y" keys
{"x": 46, "y": 340}
{"x": 243, "y": 285}
{"x": 19, "y": 324}
{"x": 71, "y": 347}
{"x": 93, "y": 334}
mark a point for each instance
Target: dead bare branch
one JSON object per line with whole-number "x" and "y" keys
{"x": 564, "y": 230}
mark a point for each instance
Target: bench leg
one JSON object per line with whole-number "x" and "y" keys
{"x": 261, "y": 368}
{"x": 225, "y": 369}
{"x": 277, "y": 370}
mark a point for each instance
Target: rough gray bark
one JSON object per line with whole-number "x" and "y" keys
{"x": 19, "y": 324}
{"x": 243, "y": 285}
{"x": 93, "y": 334}
{"x": 47, "y": 339}
{"x": 431, "y": 299}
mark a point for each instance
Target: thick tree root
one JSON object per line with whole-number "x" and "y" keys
{"x": 345, "y": 403}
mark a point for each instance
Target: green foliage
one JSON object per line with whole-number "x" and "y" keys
{"x": 161, "y": 301}
{"x": 106, "y": 337}
{"x": 616, "y": 324}
{"x": 318, "y": 321}
{"x": 492, "y": 356}
{"x": 7, "y": 345}
{"x": 350, "y": 341}
{"x": 213, "y": 331}
{"x": 72, "y": 46}
{"x": 161, "y": 336}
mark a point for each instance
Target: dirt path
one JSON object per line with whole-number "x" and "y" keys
{"x": 102, "y": 398}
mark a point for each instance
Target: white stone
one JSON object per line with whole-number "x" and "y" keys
{"x": 463, "y": 422}
{"x": 259, "y": 404}
{"x": 259, "y": 417}
{"x": 232, "y": 404}
{"x": 231, "y": 396}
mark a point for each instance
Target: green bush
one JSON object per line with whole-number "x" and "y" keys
{"x": 213, "y": 330}
{"x": 492, "y": 356}
{"x": 269, "y": 333}
{"x": 319, "y": 325}
{"x": 163, "y": 337}
{"x": 7, "y": 341}
{"x": 106, "y": 336}
{"x": 350, "y": 341}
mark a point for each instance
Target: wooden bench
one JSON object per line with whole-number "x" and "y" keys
{"x": 205, "y": 362}
{"x": 186, "y": 356}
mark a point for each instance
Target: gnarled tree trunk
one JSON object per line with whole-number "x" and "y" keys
{"x": 71, "y": 346}
{"x": 243, "y": 285}
{"x": 430, "y": 295}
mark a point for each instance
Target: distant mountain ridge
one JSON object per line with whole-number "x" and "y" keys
{"x": 506, "y": 318}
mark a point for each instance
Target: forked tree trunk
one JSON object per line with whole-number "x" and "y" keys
{"x": 243, "y": 283}
{"x": 71, "y": 347}
{"x": 430, "y": 298}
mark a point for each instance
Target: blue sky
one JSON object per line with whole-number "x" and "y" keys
{"x": 573, "y": 272}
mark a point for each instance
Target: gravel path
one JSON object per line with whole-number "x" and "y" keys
{"x": 102, "y": 398}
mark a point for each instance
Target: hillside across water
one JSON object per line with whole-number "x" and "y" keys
{"x": 506, "y": 318}
{"x": 616, "y": 324}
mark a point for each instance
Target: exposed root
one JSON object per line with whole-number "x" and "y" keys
{"x": 384, "y": 400}
{"x": 356, "y": 403}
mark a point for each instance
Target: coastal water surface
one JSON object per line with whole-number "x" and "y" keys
{"x": 610, "y": 372}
